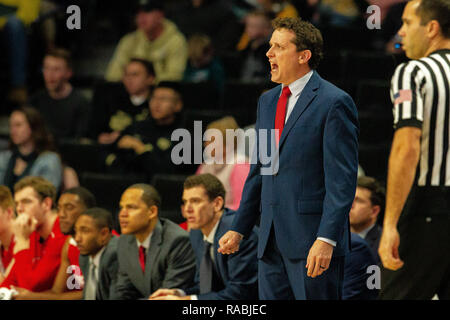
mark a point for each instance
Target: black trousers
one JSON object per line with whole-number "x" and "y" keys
{"x": 425, "y": 251}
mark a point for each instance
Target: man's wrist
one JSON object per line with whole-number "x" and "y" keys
{"x": 329, "y": 241}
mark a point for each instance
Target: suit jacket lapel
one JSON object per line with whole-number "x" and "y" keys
{"x": 135, "y": 274}
{"x": 307, "y": 95}
{"x": 152, "y": 255}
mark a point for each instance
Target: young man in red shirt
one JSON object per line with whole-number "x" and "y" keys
{"x": 6, "y": 234}
{"x": 38, "y": 238}
{"x": 68, "y": 283}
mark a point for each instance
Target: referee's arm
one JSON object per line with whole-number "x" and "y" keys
{"x": 403, "y": 160}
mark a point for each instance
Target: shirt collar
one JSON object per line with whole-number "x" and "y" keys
{"x": 146, "y": 242}
{"x": 364, "y": 233}
{"x": 298, "y": 85}
{"x": 212, "y": 234}
{"x": 97, "y": 257}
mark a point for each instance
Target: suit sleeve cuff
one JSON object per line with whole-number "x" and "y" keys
{"x": 333, "y": 243}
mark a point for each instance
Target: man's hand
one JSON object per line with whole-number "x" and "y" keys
{"x": 23, "y": 226}
{"x": 129, "y": 142}
{"x": 229, "y": 243}
{"x": 319, "y": 258}
{"x": 22, "y": 294}
{"x": 108, "y": 138}
{"x": 164, "y": 292}
{"x": 388, "y": 248}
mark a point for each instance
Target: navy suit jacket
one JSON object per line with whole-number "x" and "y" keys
{"x": 355, "y": 271}
{"x": 312, "y": 192}
{"x": 237, "y": 271}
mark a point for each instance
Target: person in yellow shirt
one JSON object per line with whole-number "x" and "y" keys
{"x": 157, "y": 40}
{"x": 15, "y": 16}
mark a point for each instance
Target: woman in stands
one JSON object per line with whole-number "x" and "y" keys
{"x": 231, "y": 173}
{"x": 31, "y": 150}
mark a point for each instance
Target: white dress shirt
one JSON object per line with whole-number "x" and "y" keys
{"x": 145, "y": 243}
{"x": 364, "y": 233}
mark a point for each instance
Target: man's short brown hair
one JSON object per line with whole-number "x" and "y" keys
{"x": 6, "y": 199}
{"x": 62, "y": 54}
{"x": 213, "y": 187}
{"x": 307, "y": 37}
{"x": 43, "y": 187}
{"x": 438, "y": 10}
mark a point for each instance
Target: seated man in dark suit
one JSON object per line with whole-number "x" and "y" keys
{"x": 98, "y": 253}
{"x": 218, "y": 277}
{"x": 367, "y": 206}
{"x": 153, "y": 252}
{"x": 356, "y": 266}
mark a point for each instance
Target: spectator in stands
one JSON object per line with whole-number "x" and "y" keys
{"x": 273, "y": 9}
{"x": 255, "y": 65}
{"x": 228, "y": 277}
{"x": 214, "y": 18}
{"x": 37, "y": 234}
{"x": 6, "y": 233}
{"x": 203, "y": 65}
{"x": 307, "y": 9}
{"x": 64, "y": 108}
{"x": 98, "y": 248}
{"x": 71, "y": 204}
{"x": 156, "y": 39}
{"x": 230, "y": 167}
{"x": 115, "y": 106}
{"x": 367, "y": 206}
{"x": 340, "y": 13}
{"x": 153, "y": 252}
{"x": 31, "y": 150}
{"x": 356, "y": 274}
{"x": 15, "y": 16}
{"x": 145, "y": 147}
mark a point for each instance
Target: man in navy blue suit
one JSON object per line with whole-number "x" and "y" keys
{"x": 232, "y": 277}
{"x": 304, "y": 205}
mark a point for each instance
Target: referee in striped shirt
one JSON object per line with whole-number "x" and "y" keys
{"x": 415, "y": 243}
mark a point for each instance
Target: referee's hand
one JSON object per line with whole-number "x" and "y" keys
{"x": 388, "y": 249}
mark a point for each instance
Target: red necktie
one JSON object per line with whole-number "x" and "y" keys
{"x": 281, "y": 111}
{"x": 142, "y": 258}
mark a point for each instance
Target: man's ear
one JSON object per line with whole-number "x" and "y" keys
{"x": 304, "y": 56}
{"x": 218, "y": 204}
{"x": 150, "y": 80}
{"x": 433, "y": 29}
{"x": 153, "y": 212}
{"x": 376, "y": 210}
{"x": 11, "y": 214}
{"x": 48, "y": 203}
{"x": 179, "y": 106}
{"x": 104, "y": 234}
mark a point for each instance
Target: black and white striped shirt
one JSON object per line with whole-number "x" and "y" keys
{"x": 420, "y": 93}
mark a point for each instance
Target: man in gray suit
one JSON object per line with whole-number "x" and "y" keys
{"x": 98, "y": 253}
{"x": 153, "y": 252}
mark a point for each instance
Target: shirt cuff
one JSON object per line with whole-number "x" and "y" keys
{"x": 181, "y": 292}
{"x": 333, "y": 243}
{"x": 194, "y": 297}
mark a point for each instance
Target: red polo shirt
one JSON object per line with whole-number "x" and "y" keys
{"x": 35, "y": 268}
{"x": 7, "y": 255}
